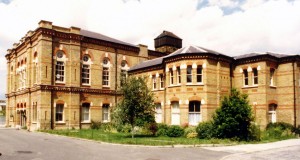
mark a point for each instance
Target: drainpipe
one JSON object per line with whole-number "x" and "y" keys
{"x": 116, "y": 76}
{"x": 294, "y": 88}
{"x": 52, "y": 84}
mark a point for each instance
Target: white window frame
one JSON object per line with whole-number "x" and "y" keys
{"x": 245, "y": 77}
{"x": 189, "y": 74}
{"x": 199, "y": 74}
{"x": 272, "y": 73}
{"x": 106, "y": 73}
{"x": 86, "y": 112}
{"x": 175, "y": 109}
{"x": 105, "y": 112}
{"x": 195, "y": 116}
{"x": 59, "y": 112}
{"x": 162, "y": 83}
{"x": 62, "y": 60}
{"x": 158, "y": 113}
{"x": 272, "y": 113}
{"x": 86, "y": 74}
{"x": 171, "y": 76}
{"x": 254, "y": 76}
{"x": 178, "y": 71}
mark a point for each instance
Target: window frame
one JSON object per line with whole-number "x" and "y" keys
{"x": 189, "y": 67}
{"x": 162, "y": 82}
{"x": 158, "y": 113}
{"x": 200, "y": 74}
{"x": 105, "y": 112}
{"x": 245, "y": 77}
{"x": 85, "y": 112}
{"x": 60, "y": 71}
{"x": 86, "y": 74}
{"x": 59, "y": 110}
{"x": 171, "y": 76}
{"x": 178, "y": 71}
{"x": 255, "y": 76}
{"x": 154, "y": 82}
{"x": 272, "y": 73}
{"x": 194, "y": 113}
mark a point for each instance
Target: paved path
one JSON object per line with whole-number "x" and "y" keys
{"x": 20, "y": 145}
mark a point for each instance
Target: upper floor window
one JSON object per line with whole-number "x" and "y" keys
{"x": 189, "y": 76}
{"x": 124, "y": 68}
{"x": 245, "y": 72}
{"x": 272, "y": 71}
{"x": 60, "y": 67}
{"x": 178, "y": 75}
{"x": 85, "y": 71}
{"x": 154, "y": 81}
{"x": 199, "y": 74}
{"x": 162, "y": 85}
{"x": 255, "y": 76}
{"x": 171, "y": 76}
{"x": 105, "y": 72}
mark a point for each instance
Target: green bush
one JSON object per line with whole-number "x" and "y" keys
{"x": 162, "y": 129}
{"x": 297, "y": 130}
{"x": 107, "y": 127}
{"x": 175, "y": 131}
{"x": 152, "y": 127}
{"x": 125, "y": 128}
{"x": 95, "y": 125}
{"x": 255, "y": 133}
{"x": 282, "y": 125}
{"x": 205, "y": 130}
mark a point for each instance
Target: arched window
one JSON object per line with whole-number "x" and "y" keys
{"x": 85, "y": 70}
{"x": 105, "y": 72}
{"x": 272, "y": 113}
{"x": 60, "y": 67}
{"x": 124, "y": 69}
{"x": 194, "y": 112}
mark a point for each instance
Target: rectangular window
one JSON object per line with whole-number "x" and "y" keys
{"x": 123, "y": 77}
{"x": 189, "y": 74}
{"x": 178, "y": 75}
{"x": 245, "y": 77}
{"x": 85, "y": 74}
{"x": 199, "y": 74}
{"x": 171, "y": 76}
{"x": 105, "y": 113}
{"x": 272, "y": 71}
{"x": 175, "y": 113}
{"x": 194, "y": 113}
{"x": 158, "y": 113}
{"x": 105, "y": 77}
{"x": 59, "y": 112}
{"x": 154, "y": 81}
{"x": 60, "y": 71}
{"x": 34, "y": 112}
{"x": 162, "y": 84}
{"x": 85, "y": 112}
{"x": 255, "y": 76}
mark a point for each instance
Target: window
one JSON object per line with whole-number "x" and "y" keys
{"x": 85, "y": 112}
{"x": 34, "y": 112}
{"x": 59, "y": 113}
{"x": 245, "y": 77}
{"x": 162, "y": 85}
{"x": 199, "y": 74}
{"x": 255, "y": 76}
{"x": 154, "y": 81}
{"x": 105, "y": 73}
{"x": 175, "y": 120}
{"x": 194, "y": 112}
{"x": 272, "y": 71}
{"x": 178, "y": 75}
{"x": 189, "y": 74}
{"x": 123, "y": 77}
{"x": 272, "y": 113}
{"x": 85, "y": 74}
{"x": 60, "y": 71}
{"x": 158, "y": 113}
{"x": 171, "y": 76}
{"x": 105, "y": 113}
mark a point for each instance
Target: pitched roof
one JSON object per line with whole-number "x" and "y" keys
{"x": 148, "y": 63}
{"x": 167, "y": 33}
{"x": 250, "y": 55}
{"x": 95, "y": 35}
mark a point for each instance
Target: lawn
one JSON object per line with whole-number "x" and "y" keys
{"x": 125, "y": 138}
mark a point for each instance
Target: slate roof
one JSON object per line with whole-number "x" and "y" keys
{"x": 260, "y": 54}
{"x": 182, "y": 51}
{"x": 167, "y": 33}
{"x": 95, "y": 35}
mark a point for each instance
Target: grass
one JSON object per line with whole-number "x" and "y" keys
{"x": 125, "y": 138}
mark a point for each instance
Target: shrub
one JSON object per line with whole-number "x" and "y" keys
{"x": 95, "y": 125}
{"x": 255, "y": 133}
{"x": 297, "y": 130}
{"x": 175, "y": 131}
{"x": 124, "y": 128}
{"x": 189, "y": 132}
{"x": 282, "y": 125}
{"x": 107, "y": 127}
{"x": 185, "y": 125}
{"x": 152, "y": 127}
{"x": 205, "y": 130}
{"x": 162, "y": 129}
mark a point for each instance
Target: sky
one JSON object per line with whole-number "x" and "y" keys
{"x": 232, "y": 27}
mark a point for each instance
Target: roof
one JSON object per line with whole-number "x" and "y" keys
{"x": 95, "y": 35}
{"x": 167, "y": 33}
{"x": 182, "y": 51}
{"x": 250, "y": 55}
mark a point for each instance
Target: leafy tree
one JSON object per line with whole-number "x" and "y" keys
{"x": 233, "y": 118}
{"x": 137, "y": 106}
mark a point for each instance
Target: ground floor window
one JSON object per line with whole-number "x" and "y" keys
{"x": 105, "y": 113}
{"x": 85, "y": 112}
{"x": 272, "y": 113}
{"x": 59, "y": 113}
{"x": 175, "y": 119}
{"x": 158, "y": 113}
{"x": 194, "y": 112}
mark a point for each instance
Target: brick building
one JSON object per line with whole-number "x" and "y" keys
{"x": 66, "y": 77}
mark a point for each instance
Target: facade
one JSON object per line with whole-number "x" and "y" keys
{"x": 190, "y": 83}
{"x": 67, "y": 77}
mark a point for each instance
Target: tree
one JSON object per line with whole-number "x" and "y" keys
{"x": 233, "y": 119}
{"x": 137, "y": 106}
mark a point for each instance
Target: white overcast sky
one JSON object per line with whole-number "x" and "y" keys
{"x": 232, "y": 27}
